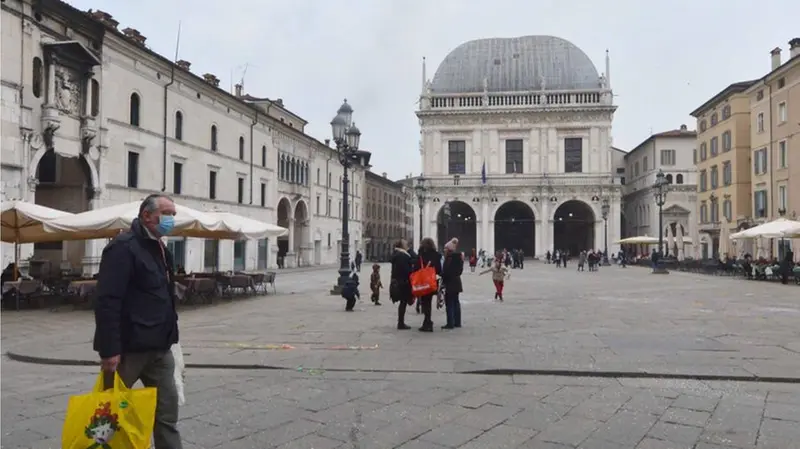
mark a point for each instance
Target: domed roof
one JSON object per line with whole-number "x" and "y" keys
{"x": 515, "y": 64}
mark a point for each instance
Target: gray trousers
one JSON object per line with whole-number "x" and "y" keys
{"x": 155, "y": 369}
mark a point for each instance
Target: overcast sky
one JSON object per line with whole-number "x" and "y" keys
{"x": 667, "y": 57}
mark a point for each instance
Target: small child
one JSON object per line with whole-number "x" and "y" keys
{"x": 499, "y": 275}
{"x": 375, "y": 284}
{"x": 350, "y": 292}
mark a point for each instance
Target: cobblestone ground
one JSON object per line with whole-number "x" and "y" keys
{"x": 239, "y": 409}
{"x": 352, "y": 381}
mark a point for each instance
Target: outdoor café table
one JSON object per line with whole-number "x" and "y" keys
{"x": 83, "y": 288}
{"x": 238, "y": 281}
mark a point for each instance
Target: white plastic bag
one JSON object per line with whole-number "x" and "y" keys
{"x": 180, "y": 372}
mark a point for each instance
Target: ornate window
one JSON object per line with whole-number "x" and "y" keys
{"x": 213, "y": 137}
{"x": 457, "y": 157}
{"x": 573, "y": 155}
{"x": 514, "y": 156}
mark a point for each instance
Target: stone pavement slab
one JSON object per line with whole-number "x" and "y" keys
{"x": 612, "y": 321}
{"x": 235, "y": 409}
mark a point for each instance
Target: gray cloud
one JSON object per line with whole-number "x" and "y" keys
{"x": 667, "y": 56}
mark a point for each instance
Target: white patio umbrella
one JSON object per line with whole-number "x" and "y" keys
{"x": 23, "y": 222}
{"x": 774, "y": 229}
{"x": 681, "y": 239}
{"x": 107, "y": 222}
{"x": 724, "y": 240}
{"x": 792, "y": 233}
{"x": 247, "y": 227}
{"x": 640, "y": 240}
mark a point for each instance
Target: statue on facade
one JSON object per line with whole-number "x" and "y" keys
{"x": 542, "y": 81}
{"x": 66, "y": 91}
{"x": 603, "y": 82}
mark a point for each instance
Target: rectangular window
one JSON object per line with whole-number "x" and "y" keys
{"x": 727, "y": 210}
{"x": 760, "y": 122}
{"x": 727, "y": 173}
{"x": 328, "y": 209}
{"x": 212, "y": 185}
{"x": 239, "y": 255}
{"x": 760, "y": 203}
{"x": 636, "y": 169}
{"x": 514, "y": 156}
{"x": 726, "y": 141}
{"x": 714, "y": 211}
{"x": 782, "y": 117}
{"x": 783, "y": 161}
{"x": 645, "y": 164}
{"x": 703, "y": 180}
{"x": 240, "y": 190}
{"x": 573, "y": 155}
{"x": 667, "y": 157}
{"x": 457, "y": 157}
{"x": 264, "y": 159}
{"x": 760, "y": 161}
{"x": 211, "y": 255}
{"x": 263, "y": 194}
{"x": 782, "y": 200}
{"x": 318, "y": 207}
{"x": 133, "y": 169}
{"x": 703, "y": 151}
{"x": 177, "y": 177}
{"x": 694, "y": 156}
{"x": 177, "y": 246}
{"x": 263, "y": 245}
{"x": 714, "y": 146}
{"x": 714, "y": 177}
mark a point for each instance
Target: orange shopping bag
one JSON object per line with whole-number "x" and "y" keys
{"x": 423, "y": 281}
{"x": 118, "y": 418}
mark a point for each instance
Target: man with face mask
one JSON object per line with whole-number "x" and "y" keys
{"x": 135, "y": 318}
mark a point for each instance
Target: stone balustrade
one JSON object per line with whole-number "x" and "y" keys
{"x": 521, "y": 100}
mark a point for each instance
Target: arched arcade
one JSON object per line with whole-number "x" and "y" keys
{"x": 515, "y": 228}
{"x": 457, "y": 219}
{"x": 574, "y": 227}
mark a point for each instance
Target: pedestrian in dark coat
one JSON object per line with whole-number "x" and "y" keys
{"x": 400, "y": 282}
{"x": 451, "y": 278}
{"x": 135, "y": 317}
{"x": 428, "y": 257}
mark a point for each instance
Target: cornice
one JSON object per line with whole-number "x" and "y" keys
{"x": 514, "y": 111}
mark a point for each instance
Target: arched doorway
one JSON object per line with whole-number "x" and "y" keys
{"x": 515, "y": 228}
{"x": 301, "y": 233}
{"x": 573, "y": 227}
{"x": 64, "y": 183}
{"x": 284, "y": 212}
{"x": 456, "y": 219}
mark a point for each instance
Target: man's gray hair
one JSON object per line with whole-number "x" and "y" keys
{"x": 150, "y": 203}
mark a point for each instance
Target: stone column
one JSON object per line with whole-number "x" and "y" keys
{"x": 87, "y": 106}
{"x": 486, "y": 231}
{"x": 92, "y": 249}
{"x": 544, "y": 234}
{"x": 538, "y": 241}
{"x": 290, "y": 259}
{"x": 51, "y": 82}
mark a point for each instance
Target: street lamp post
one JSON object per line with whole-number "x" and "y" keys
{"x": 604, "y": 209}
{"x": 660, "y": 187}
{"x": 447, "y": 215}
{"x": 347, "y": 137}
{"x": 419, "y": 188}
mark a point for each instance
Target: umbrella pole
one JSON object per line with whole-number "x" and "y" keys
{"x": 16, "y": 260}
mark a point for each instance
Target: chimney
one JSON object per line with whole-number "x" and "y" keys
{"x": 776, "y": 57}
{"x": 184, "y": 64}
{"x": 211, "y": 79}
{"x": 683, "y": 128}
{"x": 134, "y": 35}
{"x": 104, "y": 18}
{"x": 238, "y": 88}
{"x": 794, "y": 47}
{"x": 279, "y": 102}
{"x": 327, "y": 142}
{"x": 384, "y": 174}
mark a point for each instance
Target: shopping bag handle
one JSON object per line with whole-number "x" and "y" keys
{"x": 100, "y": 384}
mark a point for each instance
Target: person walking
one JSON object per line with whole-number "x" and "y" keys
{"x": 451, "y": 278}
{"x": 358, "y": 259}
{"x": 375, "y": 284}
{"x": 400, "y": 282}
{"x": 135, "y": 317}
{"x": 428, "y": 257}
{"x": 473, "y": 260}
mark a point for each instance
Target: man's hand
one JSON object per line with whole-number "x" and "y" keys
{"x": 110, "y": 364}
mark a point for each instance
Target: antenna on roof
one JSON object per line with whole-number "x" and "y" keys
{"x": 177, "y": 42}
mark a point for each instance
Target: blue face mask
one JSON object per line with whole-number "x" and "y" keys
{"x": 165, "y": 224}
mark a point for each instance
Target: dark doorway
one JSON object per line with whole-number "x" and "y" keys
{"x": 457, "y": 219}
{"x": 515, "y": 228}
{"x": 573, "y": 227}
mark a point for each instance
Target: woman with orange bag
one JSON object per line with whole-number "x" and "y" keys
{"x": 428, "y": 257}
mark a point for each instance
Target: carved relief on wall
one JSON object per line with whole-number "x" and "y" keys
{"x": 68, "y": 91}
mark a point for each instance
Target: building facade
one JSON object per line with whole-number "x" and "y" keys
{"x": 384, "y": 217}
{"x": 722, "y": 158}
{"x": 93, "y": 118}
{"x": 516, "y": 148}
{"x": 671, "y": 152}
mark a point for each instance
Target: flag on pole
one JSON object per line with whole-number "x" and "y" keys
{"x": 483, "y": 173}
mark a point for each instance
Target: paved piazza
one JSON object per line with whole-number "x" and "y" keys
{"x": 570, "y": 360}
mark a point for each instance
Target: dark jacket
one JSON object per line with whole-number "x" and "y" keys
{"x": 135, "y": 305}
{"x": 400, "y": 284}
{"x": 451, "y": 272}
{"x": 430, "y": 257}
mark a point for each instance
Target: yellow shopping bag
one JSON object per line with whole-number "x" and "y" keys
{"x": 119, "y": 418}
